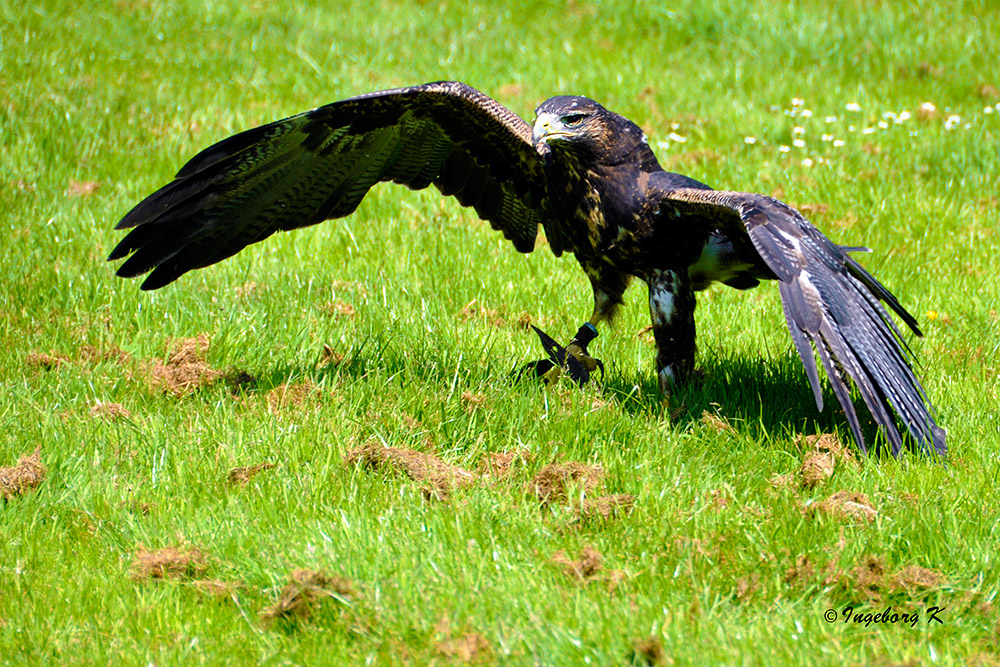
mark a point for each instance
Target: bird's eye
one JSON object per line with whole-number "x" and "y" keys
{"x": 573, "y": 119}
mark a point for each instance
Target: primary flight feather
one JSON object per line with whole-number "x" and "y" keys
{"x": 585, "y": 175}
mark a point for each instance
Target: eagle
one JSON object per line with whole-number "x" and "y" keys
{"x": 589, "y": 179}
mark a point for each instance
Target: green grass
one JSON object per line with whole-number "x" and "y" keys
{"x": 119, "y": 95}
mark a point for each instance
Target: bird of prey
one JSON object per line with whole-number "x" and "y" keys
{"x": 588, "y": 177}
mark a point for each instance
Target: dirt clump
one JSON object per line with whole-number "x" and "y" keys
{"x": 719, "y": 498}
{"x": 586, "y": 567}
{"x": 801, "y": 572}
{"x": 785, "y": 481}
{"x": 239, "y": 380}
{"x": 96, "y": 355}
{"x": 291, "y": 395}
{"x": 219, "y": 590}
{"x": 470, "y": 647}
{"x": 606, "y": 507}
{"x": 848, "y": 505}
{"x": 575, "y": 483}
{"x": 746, "y": 586}
{"x": 44, "y": 361}
{"x": 823, "y": 454}
{"x": 869, "y": 576}
{"x": 185, "y": 369}
{"x": 168, "y": 563}
{"x": 871, "y": 579}
{"x": 109, "y": 411}
{"x": 246, "y": 289}
{"x": 304, "y": 590}
{"x": 440, "y": 478}
{"x": 916, "y": 578}
{"x": 25, "y": 476}
{"x": 817, "y": 467}
{"x": 498, "y": 318}
{"x": 988, "y": 91}
{"x": 553, "y": 482}
{"x": 500, "y": 464}
{"x": 828, "y": 443}
{"x": 241, "y": 476}
{"x": 649, "y": 651}
{"x": 77, "y": 188}
{"x": 339, "y": 310}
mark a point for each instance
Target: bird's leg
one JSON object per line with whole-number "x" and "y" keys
{"x": 671, "y": 307}
{"x": 604, "y": 307}
{"x": 608, "y": 286}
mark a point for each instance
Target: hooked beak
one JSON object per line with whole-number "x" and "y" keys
{"x": 547, "y": 126}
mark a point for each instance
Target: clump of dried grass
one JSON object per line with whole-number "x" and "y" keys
{"x": 168, "y": 563}
{"x": 304, "y": 590}
{"x": 440, "y": 478}
{"x": 848, "y": 505}
{"x": 553, "y": 482}
{"x": 185, "y": 369}
{"x": 500, "y": 464}
{"x": 241, "y": 476}
{"x": 109, "y": 411}
{"x": 28, "y": 474}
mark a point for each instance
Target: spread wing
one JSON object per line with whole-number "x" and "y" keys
{"x": 320, "y": 164}
{"x": 831, "y": 302}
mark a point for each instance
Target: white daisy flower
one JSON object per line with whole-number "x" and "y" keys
{"x": 826, "y": 137}
{"x": 799, "y": 143}
{"x": 798, "y": 130}
{"x": 838, "y": 143}
{"x": 807, "y": 163}
{"x": 750, "y": 140}
{"x": 853, "y": 106}
{"x": 783, "y": 149}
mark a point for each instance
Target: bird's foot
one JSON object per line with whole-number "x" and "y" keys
{"x": 574, "y": 360}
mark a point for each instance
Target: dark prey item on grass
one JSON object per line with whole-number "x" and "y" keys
{"x": 589, "y": 178}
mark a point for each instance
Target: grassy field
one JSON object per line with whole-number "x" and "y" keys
{"x": 707, "y": 531}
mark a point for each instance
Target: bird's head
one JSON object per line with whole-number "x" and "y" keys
{"x": 579, "y": 125}
{"x": 568, "y": 120}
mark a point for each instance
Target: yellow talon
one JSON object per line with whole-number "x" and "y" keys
{"x": 585, "y": 359}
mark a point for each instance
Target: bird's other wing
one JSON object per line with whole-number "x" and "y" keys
{"x": 320, "y": 164}
{"x": 832, "y": 302}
